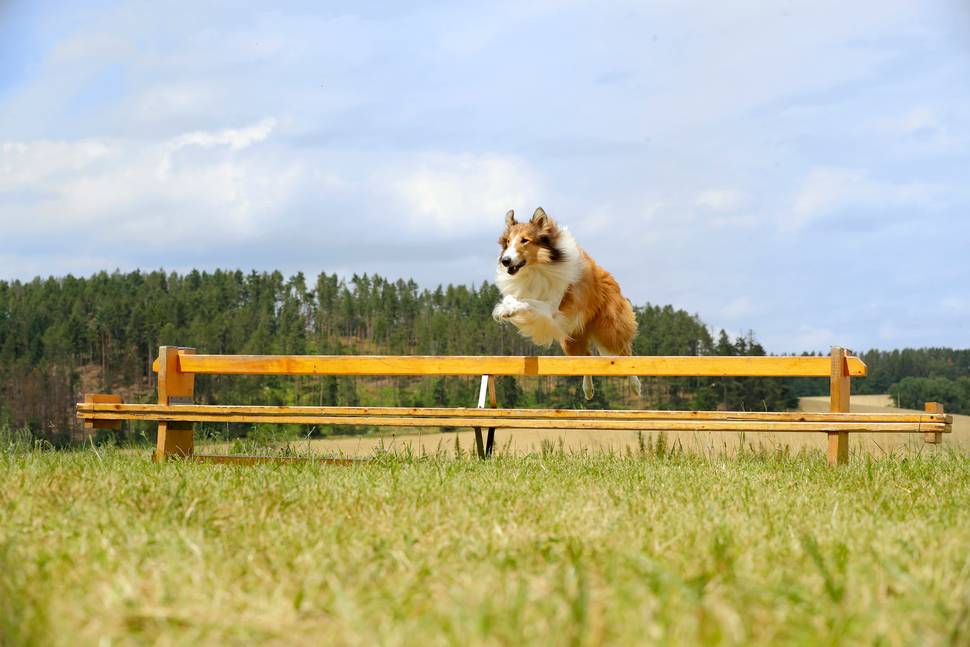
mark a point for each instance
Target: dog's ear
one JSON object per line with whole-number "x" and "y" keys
{"x": 510, "y": 218}
{"x": 540, "y": 219}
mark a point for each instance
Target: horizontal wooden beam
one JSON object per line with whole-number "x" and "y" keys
{"x": 685, "y": 366}
{"x": 457, "y": 419}
{"x": 566, "y": 423}
{"x": 86, "y": 410}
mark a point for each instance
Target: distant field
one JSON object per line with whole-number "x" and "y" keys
{"x": 960, "y": 438}
{"x": 105, "y": 548}
{"x": 525, "y": 441}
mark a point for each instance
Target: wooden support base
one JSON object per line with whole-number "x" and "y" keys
{"x": 840, "y": 389}
{"x": 175, "y": 439}
{"x": 838, "y": 448}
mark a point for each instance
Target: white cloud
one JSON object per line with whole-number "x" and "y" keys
{"x": 918, "y": 119}
{"x": 925, "y": 129}
{"x": 722, "y": 200}
{"x": 888, "y": 331}
{"x": 91, "y": 46}
{"x": 738, "y": 308}
{"x": 811, "y": 338}
{"x": 38, "y": 165}
{"x": 828, "y": 190}
{"x": 173, "y": 102}
{"x": 955, "y": 303}
{"x": 234, "y": 138}
{"x": 192, "y": 185}
{"x": 446, "y": 193}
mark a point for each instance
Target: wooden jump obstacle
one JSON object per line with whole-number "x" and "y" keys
{"x": 176, "y": 413}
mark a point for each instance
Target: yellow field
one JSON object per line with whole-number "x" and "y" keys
{"x": 525, "y": 441}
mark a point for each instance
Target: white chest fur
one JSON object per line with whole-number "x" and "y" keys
{"x": 532, "y": 296}
{"x": 546, "y": 282}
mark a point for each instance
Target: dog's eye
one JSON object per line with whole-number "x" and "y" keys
{"x": 525, "y": 241}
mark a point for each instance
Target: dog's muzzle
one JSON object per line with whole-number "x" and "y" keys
{"x": 512, "y": 268}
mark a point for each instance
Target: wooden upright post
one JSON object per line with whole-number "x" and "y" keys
{"x": 933, "y": 437}
{"x": 174, "y": 387}
{"x": 840, "y": 389}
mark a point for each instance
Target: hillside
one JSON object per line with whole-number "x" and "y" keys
{"x": 61, "y": 337}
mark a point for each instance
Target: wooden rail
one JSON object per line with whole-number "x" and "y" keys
{"x": 176, "y": 413}
{"x": 169, "y": 412}
{"x": 526, "y": 419}
{"x": 512, "y": 365}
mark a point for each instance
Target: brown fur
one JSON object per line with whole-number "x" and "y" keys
{"x": 607, "y": 317}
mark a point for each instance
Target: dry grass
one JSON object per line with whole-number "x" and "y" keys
{"x": 102, "y": 547}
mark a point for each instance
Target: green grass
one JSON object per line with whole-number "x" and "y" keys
{"x": 102, "y": 547}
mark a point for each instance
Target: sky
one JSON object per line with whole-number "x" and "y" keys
{"x": 800, "y": 169}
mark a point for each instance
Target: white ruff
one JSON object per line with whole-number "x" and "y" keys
{"x": 532, "y": 296}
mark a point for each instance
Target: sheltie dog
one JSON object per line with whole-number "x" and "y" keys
{"x": 553, "y": 291}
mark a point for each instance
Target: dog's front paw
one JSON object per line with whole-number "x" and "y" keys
{"x": 508, "y": 308}
{"x": 501, "y": 312}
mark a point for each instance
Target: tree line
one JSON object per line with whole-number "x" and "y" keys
{"x": 912, "y": 376}
{"x": 61, "y": 337}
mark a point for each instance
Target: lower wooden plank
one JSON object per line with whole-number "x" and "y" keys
{"x": 86, "y": 410}
{"x": 256, "y": 460}
{"x": 545, "y": 423}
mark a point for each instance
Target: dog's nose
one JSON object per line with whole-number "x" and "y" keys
{"x": 506, "y": 261}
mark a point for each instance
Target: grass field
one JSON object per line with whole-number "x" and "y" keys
{"x": 102, "y": 547}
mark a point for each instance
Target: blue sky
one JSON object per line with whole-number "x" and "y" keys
{"x": 797, "y": 168}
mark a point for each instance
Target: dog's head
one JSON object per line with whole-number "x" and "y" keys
{"x": 528, "y": 243}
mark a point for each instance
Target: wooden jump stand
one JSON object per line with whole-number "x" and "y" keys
{"x": 176, "y": 413}
{"x": 175, "y": 438}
